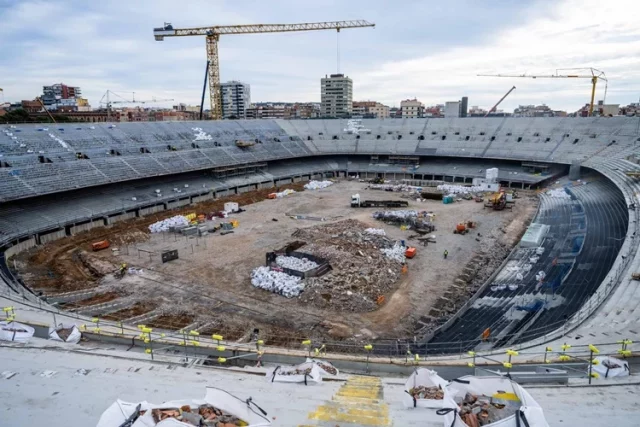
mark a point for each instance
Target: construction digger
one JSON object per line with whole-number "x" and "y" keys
{"x": 497, "y": 201}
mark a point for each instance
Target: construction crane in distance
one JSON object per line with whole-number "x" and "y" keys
{"x": 499, "y": 102}
{"x": 594, "y": 75}
{"x": 108, "y": 102}
{"x": 213, "y": 34}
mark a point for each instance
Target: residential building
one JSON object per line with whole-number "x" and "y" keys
{"x": 602, "y": 109}
{"x": 476, "y": 111}
{"x": 411, "y": 109}
{"x": 395, "y": 112}
{"x": 336, "y": 96}
{"x": 61, "y": 95}
{"x": 452, "y": 109}
{"x": 307, "y": 110}
{"x": 236, "y": 98}
{"x": 370, "y": 110}
{"x": 631, "y": 110}
{"x": 464, "y": 106}
{"x": 31, "y": 106}
{"x": 267, "y": 110}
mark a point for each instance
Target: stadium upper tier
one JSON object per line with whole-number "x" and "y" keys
{"x": 41, "y": 159}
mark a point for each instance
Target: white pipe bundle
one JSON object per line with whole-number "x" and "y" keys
{"x": 160, "y": 226}
{"x": 559, "y": 193}
{"x": 285, "y": 193}
{"x": 376, "y": 231}
{"x": 395, "y": 253}
{"x": 449, "y": 189}
{"x": 277, "y": 282}
{"x": 317, "y": 185}
{"x": 298, "y": 264}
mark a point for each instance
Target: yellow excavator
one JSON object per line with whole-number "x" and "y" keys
{"x": 497, "y": 201}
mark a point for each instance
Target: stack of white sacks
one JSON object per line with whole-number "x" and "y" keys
{"x": 396, "y": 252}
{"x": 376, "y": 231}
{"x": 174, "y": 221}
{"x": 298, "y": 264}
{"x": 317, "y": 185}
{"x": 449, "y": 189}
{"x": 277, "y": 282}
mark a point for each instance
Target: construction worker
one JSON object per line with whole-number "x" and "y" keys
{"x": 446, "y": 252}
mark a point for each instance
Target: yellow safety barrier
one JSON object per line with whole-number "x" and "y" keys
{"x": 216, "y": 337}
{"x": 220, "y": 348}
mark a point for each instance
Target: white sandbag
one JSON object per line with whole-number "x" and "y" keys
{"x": 609, "y": 367}
{"x": 118, "y": 412}
{"x": 73, "y": 337}
{"x": 306, "y": 373}
{"x": 326, "y": 368}
{"x": 277, "y": 282}
{"x": 294, "y": 263}
{"x": 317, "y": 185}
{"x": 456, "y": 390}
{"x": 426, "y": 378}
{"x": 165, "y": 224}
{"x": 15, "y": 332}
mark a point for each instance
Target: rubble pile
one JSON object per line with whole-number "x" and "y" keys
{"x": 277, "y": 282}
{"x": 425, "y": 392}
{"x": 204, "y": 415}
{"x": 396, "y": 252}
{"x": 400, "y": 216}
{"x": 484, "y": 410}
{"x": 298, "y": 264}
{"x": 378, "y": 231}
{"x": 174, "y": 221}
{"x": 317, "y": 185}
{"x": 360, "y": 273}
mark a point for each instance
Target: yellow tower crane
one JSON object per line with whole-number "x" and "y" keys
{"x": 594, "y": 75}
{"x": 213, "y": 34}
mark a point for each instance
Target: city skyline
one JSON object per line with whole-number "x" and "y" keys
{"x": 419, "y": 50}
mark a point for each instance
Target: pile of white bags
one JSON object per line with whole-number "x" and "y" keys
{"x": 376, "y": 231}
{"x": 120, "y": 411}
{"x": 395, "y": 253}
{"x": 449, "y": 189}
{"x": 395, "y": 216}
{"x": 298, "y": 264}
{"x": 426, "y": 378}
{"x": 307, "y": 373}
{"x": 284, "y": 193}
{"x": 65, "y": 333}
{"x": 559, "y": 193}
{"x": 276, "y": 282}
{"x": 16, "y": 332}
{"x": 609, "y": 367}
{"x": 174, "y": 221}
{"x": 487, "y": 388}
{"x": 317, "y": 185}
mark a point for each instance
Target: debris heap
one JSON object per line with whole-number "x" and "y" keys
{"x": 277, "y": 282}
{"x": 317, "y": 185}
{"x": 360, "y": 273}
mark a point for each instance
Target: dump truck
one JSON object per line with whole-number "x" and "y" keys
{"x": 357, "y": 203}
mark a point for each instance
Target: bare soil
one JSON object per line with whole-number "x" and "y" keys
{"x": 97, "y": 299}
{"x": 135, "y": 310}
{"x": 210, "y": 282}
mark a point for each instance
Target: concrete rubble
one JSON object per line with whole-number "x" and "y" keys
{"x": 378, "y": 231}
{"x": 360, "y": 273}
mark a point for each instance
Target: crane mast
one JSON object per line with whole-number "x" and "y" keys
{"x": 212, "y": 35}
{"x": 499, "y": 102}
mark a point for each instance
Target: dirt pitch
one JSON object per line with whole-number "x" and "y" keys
{"x": 209, "y": 285}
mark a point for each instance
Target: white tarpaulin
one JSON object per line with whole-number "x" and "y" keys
{"x": 326, "y": 368}
{"x": 491, "y": 389}
{"x": 66, "y": 333}
{"x": 120, "y": 411}
{"x": 16, "y": 332}
{"x": 307, "y": 373}
{"x": 422, "y": 377}
{"x": 609, "y": 367}
{"x": 317, "y": 185}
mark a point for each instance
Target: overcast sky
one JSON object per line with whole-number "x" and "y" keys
{"x": 427, "y": 49}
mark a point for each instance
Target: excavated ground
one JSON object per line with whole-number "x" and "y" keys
{"x": 209, "y": 286}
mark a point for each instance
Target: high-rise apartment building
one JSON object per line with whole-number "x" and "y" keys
{"x": 236, "y": 98}
{"x": 336, "y": 98}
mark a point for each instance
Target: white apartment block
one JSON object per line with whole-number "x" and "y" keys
{"x": 336, "y": 96}
{"x": 236, "y": 98}
{"x": 411, "y": 109}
